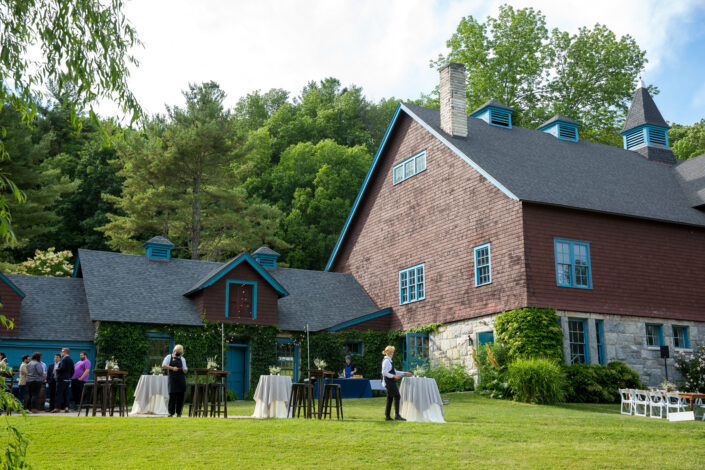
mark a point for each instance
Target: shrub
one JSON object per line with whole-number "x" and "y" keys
{"x": 692, "y": 368}
{"x": 537, "y": 380}
{"x": 530, "y": 332}
{"x": 593, "y": 383}
{"x": 451, "y": 379}
{"x": 491, "y": 361}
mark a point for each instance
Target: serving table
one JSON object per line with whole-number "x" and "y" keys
{"x": 692, "y": 397}
{"x": 272, "y": 396}
{"x": 420, "y": 400}
{"x": 151, "y": 395}
{"x": 351, "y": 388}
{"x": 320, "y": 375}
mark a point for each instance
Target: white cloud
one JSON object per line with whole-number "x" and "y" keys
{"x": 383, "y": 46}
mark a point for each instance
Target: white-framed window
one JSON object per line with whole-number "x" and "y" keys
{"x": 483, "y": 265}
{"x": 409, "y": 167}
{"x": 412, "y": 284}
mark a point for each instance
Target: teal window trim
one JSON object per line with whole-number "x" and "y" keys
{"x": 410, "y": 286}
{"x": 676, "y": 336}
{"x": 419, "y": 165}
{"x": 153, "y": 335}
{"x": 228, "y": 284}
{"x": 600, "y": 334}
{"x": 485, "y": 337}
{"x": 574, "y": 357}
{"x": 659, "y": 334}
{"x": 295, "y": 378}
{"x": 567, "y": 260}
{"x": 407, "y": 363}
{"x": 360, "y": 348}
{"x": 483, "y": 276}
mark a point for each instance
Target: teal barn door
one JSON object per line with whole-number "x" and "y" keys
{"x": 237, "y": 363}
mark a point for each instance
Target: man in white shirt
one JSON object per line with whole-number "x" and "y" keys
{"x": 389, "y": 374}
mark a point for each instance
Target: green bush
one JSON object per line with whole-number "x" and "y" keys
{"x": 491, "y": 361}
{"x": 451, "y": 379}
{"x": 530, "y": 332}
{"x": 593, "y": 383}
{"x": 537, "y": 380}
{"x": 692, "y": 369}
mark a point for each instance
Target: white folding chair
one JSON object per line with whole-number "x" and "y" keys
{"x": 675, "y": 404}
{"x": 626, "y": 406}
{"x": 641, "y": 402}
{"x": 656, "y": 402}
{"x": 699, "y": 406}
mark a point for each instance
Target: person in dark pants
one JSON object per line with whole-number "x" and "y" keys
{"x": 51, "y": 380}
{"x": 176, "y": 365}
{"x": 79, "y": 378}
{"x": 64, "y": 371}
{"x": 35, "y": 380}
{"x": 389, "y": 374}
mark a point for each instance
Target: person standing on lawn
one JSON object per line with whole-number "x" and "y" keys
{"x": 51, "y": 380}
{"x": 80, "y": 377}
{"x": 35, "y": 381}
{"x": 22, "y": 382}
{"x": 389, "y": 374}
{"x": 64, "y": 371}
{"x": 176, "y": 365}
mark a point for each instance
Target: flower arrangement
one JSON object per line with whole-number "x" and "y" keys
{"x": 274, "y": 370}
{"x": 157, "y": 370}
{"x": 211, "y": 364}
{"x": 112, "y": 364}
{"x": 320, "y": 363}
{"x": 668, "y": 386}
{"x": 5, "y": 368}
{"x": 419, "y": 372}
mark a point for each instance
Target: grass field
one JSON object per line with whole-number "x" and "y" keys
{"x": 480, "y": 433}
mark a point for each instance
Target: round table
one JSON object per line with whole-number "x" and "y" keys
{"x": 420, "y": 400}
{"x": 151, "y": 396}
{"x": 272, "y": 396}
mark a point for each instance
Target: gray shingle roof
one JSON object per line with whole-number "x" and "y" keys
{"x": 495, "y": 104}
{"x": 134, "y": 289}
{"x": 643, "y": 111}
{"x": 159, "y": 241}
{"x": 537, "y": 167}
{"x": 265, "y": 250}
{"x": 54, "y": 309}
{"x": 691, "y": 176}
{"x": 558, "y": 118}
{"x": 321, "y": 299}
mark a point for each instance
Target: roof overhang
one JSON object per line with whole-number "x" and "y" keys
{"x": 358, "y": 320}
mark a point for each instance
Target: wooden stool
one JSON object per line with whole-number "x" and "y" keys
{"x": 84, "y": 394}
{"x": 301, "y": 398}
{"x": 218, "y": 392}
{"x": 117, "y": 393}
{"x": 330, "y": 390}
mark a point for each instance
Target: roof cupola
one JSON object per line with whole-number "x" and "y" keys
{"x": 561, "y": 127}
{"x": 158, "y": 248}
{"x": 494, "y": 113}
{"x": 645, "y": 131}
{"x": 266, "y": 257}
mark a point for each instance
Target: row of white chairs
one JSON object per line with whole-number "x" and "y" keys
{"x": 655, "y": 403}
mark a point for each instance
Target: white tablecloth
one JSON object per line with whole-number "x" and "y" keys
{"x": 151, "y": 395}
{"x": 420, "y": 400}
{"x": 272, "y": 396}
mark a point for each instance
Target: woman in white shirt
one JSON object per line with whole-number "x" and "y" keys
{"x": 176, "y": 365}
{"x": 389, "y": 374}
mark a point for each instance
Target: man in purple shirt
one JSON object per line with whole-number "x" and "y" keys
{"x": 80, "y": 376}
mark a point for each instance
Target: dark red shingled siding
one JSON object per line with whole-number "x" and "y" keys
{"x": 11, "y": 308}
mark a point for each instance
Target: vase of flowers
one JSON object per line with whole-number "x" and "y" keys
{"x": 112, "y": 364}
{"x": 157, "y": 370}
{"x": 320, "y": 363}
{"x": 274, "y": 370}
{"x": 668, "y": 386}
{"x": 419, "y": 372}
{"x": 211, "y": 364}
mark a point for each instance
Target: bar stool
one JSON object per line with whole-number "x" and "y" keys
{"x": 330, "y": 391}
{"x": 218, "y": 398}
{"x": 117, "y": 391}
{"x": 301, "y": 397}
{"x": 87, "y": 392}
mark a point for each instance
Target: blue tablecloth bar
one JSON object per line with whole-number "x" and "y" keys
{"x": 350, "y": 388}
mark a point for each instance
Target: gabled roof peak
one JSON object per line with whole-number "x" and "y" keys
{"x": 643, "y": 111}
{"x": 493, "y": 104}
{"x": 265, "y": 250}
{"x": 158, "y": 241}
{"x": 558, "y": 118}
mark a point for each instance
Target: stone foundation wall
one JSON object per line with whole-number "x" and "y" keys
{"x": 624, "y": 337}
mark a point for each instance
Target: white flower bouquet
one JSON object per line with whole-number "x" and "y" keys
{"x": 419, "y": 372}
{"x": 274, "y": 370}
{"x": 157, "y": 370}
{"x": 320, "y": 363}
{"x": 112, "y": 364}
{"x": 211, "y": 364}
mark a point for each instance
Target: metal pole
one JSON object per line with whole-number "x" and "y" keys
{"x": 222, "y": 344}
{"x": 308, "y": 354}
{"x": 665, "y": 365}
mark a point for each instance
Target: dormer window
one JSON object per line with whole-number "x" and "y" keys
{"x": 494, "y": 113}
{"x": 158, "y": 248}
{"x": 561, "y": 127}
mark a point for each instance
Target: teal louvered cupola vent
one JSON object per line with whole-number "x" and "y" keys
{"x": 644, "y": 126}
{"x": 561, "y": 127}
{"x": 495, "y": 114}
{"x": 158, "y": 248}
{"x": 266, "y": 257}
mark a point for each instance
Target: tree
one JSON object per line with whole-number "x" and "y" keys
{"x": 48, "y": 263}
{"x": 588, "y": 76}
{"x": 687, "y": 141}
{"x": 80, "y": 45}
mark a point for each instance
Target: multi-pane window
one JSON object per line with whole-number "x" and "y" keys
{"x": 577, "y": 335}
{"x": 483, "y": 265}
{"x": 415, "y": 350}
{"x": 680, "y": 337}
{"x": 654, "y": 335}
{"x": 352, "y": 347}
{"x": 572, "y": 263}
{"x": 600, "y": 333}
{"x": 159, "y": 348}
{"x": 485, "y": 337}
{"x": 286, "y": 357}
{"x": 412, "y": 284}
{"x": 410, "y": 167}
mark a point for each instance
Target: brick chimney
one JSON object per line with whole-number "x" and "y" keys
{"x": 454, "y": 112}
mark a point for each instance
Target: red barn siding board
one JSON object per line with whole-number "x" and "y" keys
{"x": 436, "y": 217}
{"x": 212, "y": 299}
{"x": 11, "y": 308}
{"x": 639, "y": 267}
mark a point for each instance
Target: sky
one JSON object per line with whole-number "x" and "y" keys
{"x": 383, "y": 46}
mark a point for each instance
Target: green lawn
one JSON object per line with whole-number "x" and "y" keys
{"x": 480, "y": 433}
